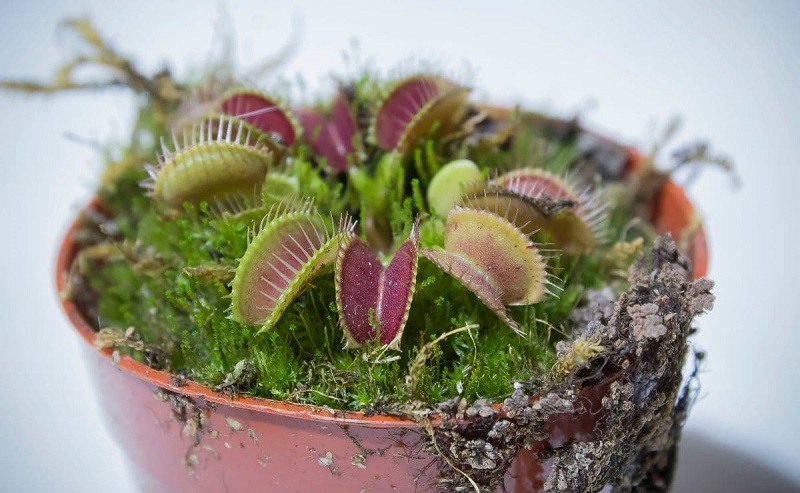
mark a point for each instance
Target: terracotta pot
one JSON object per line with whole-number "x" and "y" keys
{"x": 188, "y": 438}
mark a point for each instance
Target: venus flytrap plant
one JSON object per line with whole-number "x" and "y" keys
{"x": 253, "y": 167}
{"x": 486, "y": 246}
{"x": 414, "y": 169}
{"x": 230, "y": 269}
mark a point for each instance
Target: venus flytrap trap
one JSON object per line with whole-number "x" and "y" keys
{"x": 492, "y": 258}
{"x": 336, "y": 139}
{"x": 417, "y": 108}
{"x": 374, "y": 300}
{"x": 215, "y": 164}
{"x": 262, "y": 112}
{"x": 290, "y": 247}
{"x": 542, "y": 202}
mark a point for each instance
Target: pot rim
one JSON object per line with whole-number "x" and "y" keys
{"x": 165, "y": 380}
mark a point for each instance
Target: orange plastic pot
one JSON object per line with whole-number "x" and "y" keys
{"x": 672, "y": 212}
{"x": 184, "y": 437}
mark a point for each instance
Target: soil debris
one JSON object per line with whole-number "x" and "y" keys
{"x": 128, "y": 339}
{"x": 233, "y": 424}
{"x": 240, "y": 379}
{"x": 359, "y": 461}
{"x": 193, "y": 416}
{"x": 327, "y": 461}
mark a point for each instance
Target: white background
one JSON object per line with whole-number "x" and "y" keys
{"x": 731, "y": 69}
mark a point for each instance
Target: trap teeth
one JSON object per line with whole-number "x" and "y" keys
{"x": 417, "y": 108}
{"x": 213, "y": 164}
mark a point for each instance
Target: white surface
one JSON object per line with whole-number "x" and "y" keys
{"x": 730, "y": 69}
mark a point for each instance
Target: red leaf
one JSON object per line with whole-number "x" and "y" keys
{"x": 397, "y": 289}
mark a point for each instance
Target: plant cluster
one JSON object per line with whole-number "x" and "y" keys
{"x": 390, "y": 247}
